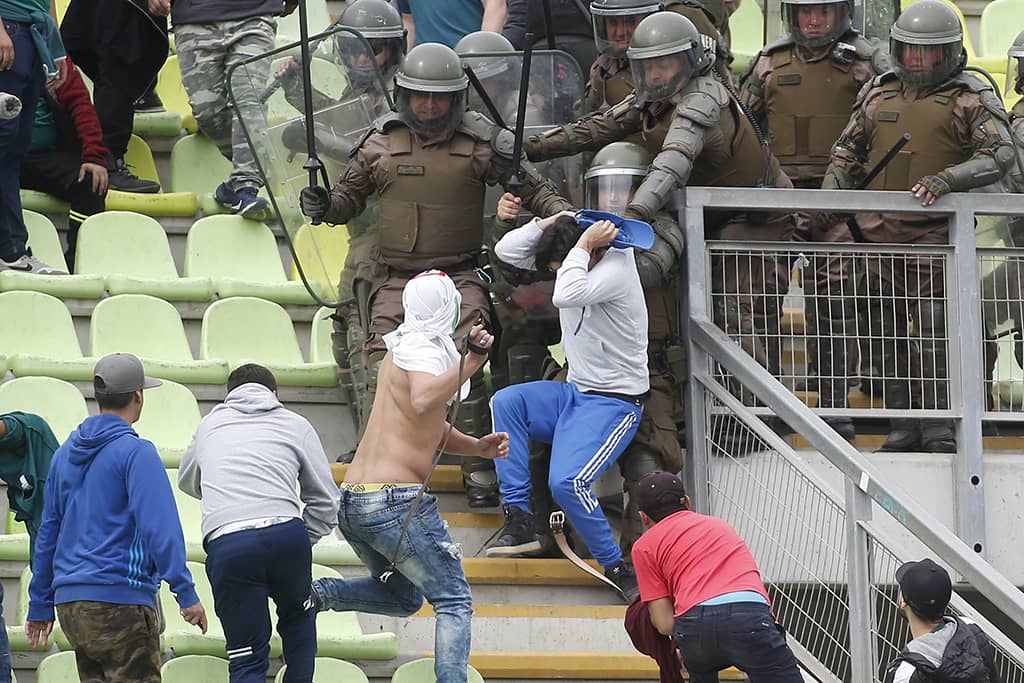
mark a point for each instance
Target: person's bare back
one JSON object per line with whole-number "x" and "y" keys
{"x": 407, "y": 422}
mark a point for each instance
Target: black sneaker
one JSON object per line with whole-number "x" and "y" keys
{"x": 121, "y": 178}
{"x": 624, "y": 577}
{"x": 516, "y": 537}
{"x": 149, "y": 103}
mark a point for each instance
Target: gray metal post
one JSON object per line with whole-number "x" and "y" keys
{"x": 966, "y": 380}
{"x": 862, "y": 650}
{"x": 695, "y": 276}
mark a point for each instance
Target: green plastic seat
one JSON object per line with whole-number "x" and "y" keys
{"x": 321, "y": 349}
{"x": 16, "y": 633}
{"x": 197, "y": 166}
{"x": 318, "y": 19}
{"x": 45, "y": 244}
{"x": 746, "y": 29}
{"x": 191, "y": 516}
{"x": 172, "y": 92}
{"x": 249, "y": 330}
{"x": 1001, "y": 21}
{"x": 194, "y": 669}
{"x": 157, "y": 124}
{"x": 33, "y": 200}
{"x": 241, "y": 258}
{"x": 151, "y": 329}
{"x": 329, "y": 670}
{"x": 43, "y": 342}
{"x": 422, "y": 670}
{"x": 131, "y": 251}
{"x": 58, "y": 668}
{"x": 183, "y": 638}
{"x": 322, "y": 254}
{"x": 59, "y": 403}
{"x": 170, "y": 416}
{"x": 339, "y": 635}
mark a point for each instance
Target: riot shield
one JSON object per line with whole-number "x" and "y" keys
{"x": 873, "y": 19}
{"x": 348, "y": 95}
{"x": 556, "y": 90}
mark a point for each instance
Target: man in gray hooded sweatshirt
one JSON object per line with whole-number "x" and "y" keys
{"x": 243, "y": 463}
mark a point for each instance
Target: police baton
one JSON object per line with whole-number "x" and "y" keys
{"x": 313, "y": 165}
{"x": 484, "y": 97}
{"x": 515, "y": 182}
{"x": 884, "y": 161}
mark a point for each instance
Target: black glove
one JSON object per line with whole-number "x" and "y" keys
{"x": 315, "y": 201}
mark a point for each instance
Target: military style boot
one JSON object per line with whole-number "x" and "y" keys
{"x": 832, "y": 344}
{"x": 478, "y": 475}
{"x": 937, "y": 436}
{"x": 904, "y": 433}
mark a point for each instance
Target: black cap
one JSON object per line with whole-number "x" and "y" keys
{"x": 925, "y": 587}
{"x": 659, "y": 494}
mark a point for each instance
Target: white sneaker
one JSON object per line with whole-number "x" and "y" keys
{"x": 30, "y": 264}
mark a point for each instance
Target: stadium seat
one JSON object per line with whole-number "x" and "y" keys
{"x": 172, "y": 92}
{"x": 131, "y": 251}
{"x": 1000, "y": 24}
{"x": 329, "y": 670}
{"x": 183, "y": 638}
{"x": 318, "y": 18}
{"x": 197, "y": 166}
{"x": 248, "y": 330}
{"x": 140, "y": 159}
{"x": 320, "y": 345}
{"x": 191, "y": 516}
{"x": 322, "y": 257}
{"x": 16, "y": 632}
{"x": 45, "y": 245}
{"x": 151, "y": 329}
{"x": 170, "y": 416}
{"x": 43, "y": 342}
{"x": 340, "y": 636}
{"x": 33, "y": 200}
{"x": 59, "y": 403}
{"x": 422, "y": 670}
{"x": 746, "y": 29}
{"x": 194, "y": 669}
{"x": 60, "y": 667}
{"x": 241, "y": 258}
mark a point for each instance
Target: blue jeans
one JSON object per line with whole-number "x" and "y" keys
{"x": 246, "y": 568}
{"x": 429, "y": 565}
{"x": 587, "y": 433}
{"x": 24, "y": 80}
{"x": 742, "y": 634}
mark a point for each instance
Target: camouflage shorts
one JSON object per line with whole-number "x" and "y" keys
{"x": 113, "y": 643}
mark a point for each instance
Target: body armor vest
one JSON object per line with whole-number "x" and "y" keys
{"x": 932, "y": 146}
{"x": 807, "y": 106}
{"x": 432, "y": 205}
{"x": 737, "y": 159}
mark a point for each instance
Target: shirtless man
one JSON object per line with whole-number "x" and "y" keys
{"x": 419, "y": 378}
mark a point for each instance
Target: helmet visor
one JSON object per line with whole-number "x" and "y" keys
{"x": 611, "y": 191}
{"x": 435, "y": 114}
{"x": 658, "y": 78}
{"x": 612, "y": 32}
{"x": 816, "y": 25}
{"x": 925, "y": 65}
{"x": 386, "y": 55}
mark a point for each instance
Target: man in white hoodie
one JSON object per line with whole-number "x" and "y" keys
{"x": 243, "y": 463}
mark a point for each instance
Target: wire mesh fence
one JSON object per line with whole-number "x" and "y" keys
{"x": 827, "y": 320}
{"x": 1002, "y": 308}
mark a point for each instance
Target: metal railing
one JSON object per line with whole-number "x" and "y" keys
{"x": 827, "y": 527}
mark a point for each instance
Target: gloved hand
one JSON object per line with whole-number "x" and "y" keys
{"x": 532, "y": 148}
{"x": 931, "y": 187}
{"x": 315, "y": 201}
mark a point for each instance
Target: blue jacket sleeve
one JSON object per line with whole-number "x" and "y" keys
{"x": 151, "y": 502}
{"x": 40, "y": 590}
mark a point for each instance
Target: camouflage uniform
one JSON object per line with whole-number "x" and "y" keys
{"x": 959, "y": 136}
{"x": 206, "y": 53}
{"x": 801, "y": 95}
{"x": 114, "y": 643}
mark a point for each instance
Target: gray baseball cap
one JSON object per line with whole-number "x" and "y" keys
{"x": 121, "y": 373}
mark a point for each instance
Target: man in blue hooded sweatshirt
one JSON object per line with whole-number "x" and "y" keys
{"x": 110, "y": 534}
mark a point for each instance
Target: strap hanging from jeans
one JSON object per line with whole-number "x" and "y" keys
{"x": 557, "y": 523}
{"x": 453, "y": 414}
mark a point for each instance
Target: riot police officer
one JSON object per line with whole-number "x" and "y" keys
{"x": 614, "y": 23}
{"x": 1015, "y": 83}
{"x": 430, "y": 164}
{"x": 801, "y": 89}
{"x": 499, "y": 76}
{"x": 960, "y": 140}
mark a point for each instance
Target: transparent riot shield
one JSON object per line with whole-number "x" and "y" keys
{"x": 348, "y": 95}
{"x": 873, "y": 19}
{"x": 556, "y": 90}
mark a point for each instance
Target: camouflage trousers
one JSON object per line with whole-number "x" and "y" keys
{"x": 113, "y": 643}
{"x": 206, "y": 53}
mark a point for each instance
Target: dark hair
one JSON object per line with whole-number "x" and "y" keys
{"x": 114, "y": 401}
{"x": 556, "y": 242}
{"x": 251, "y": 373}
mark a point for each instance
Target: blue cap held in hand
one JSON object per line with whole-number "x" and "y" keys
{"x": 632, "y": 233}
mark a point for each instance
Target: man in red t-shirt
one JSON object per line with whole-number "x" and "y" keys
{"x": 702, "y": 587}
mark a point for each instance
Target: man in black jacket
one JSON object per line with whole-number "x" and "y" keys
{"x": 571, "y": 18}
{"x": 944, "y": 648}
